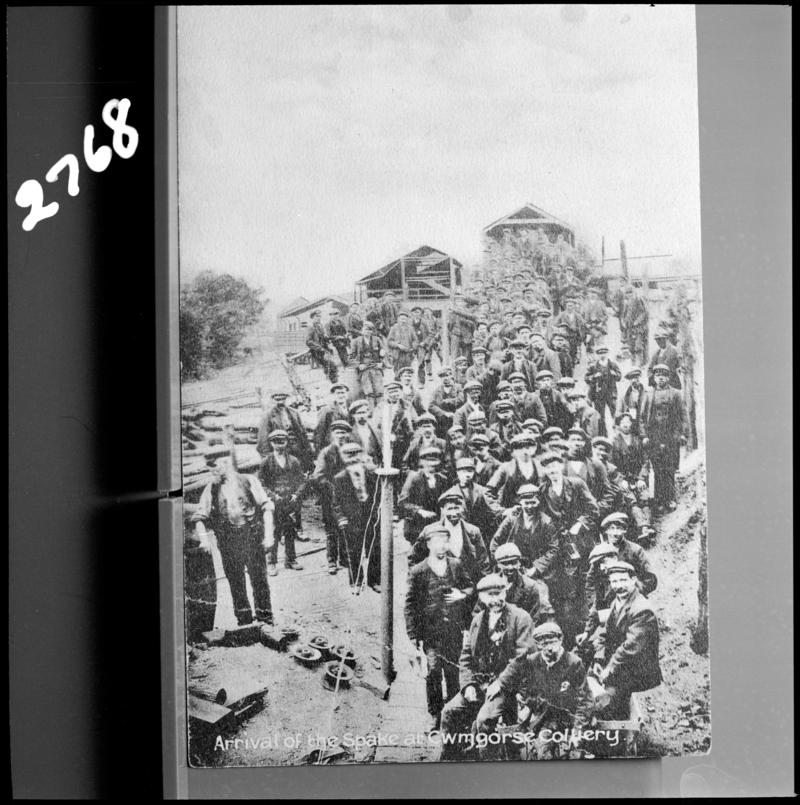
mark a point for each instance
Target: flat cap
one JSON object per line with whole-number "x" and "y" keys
{"x": 392, "y": 384}
{"x": 503, "y": 385}
{"x": 578, "y": 432}
{"x": 339, "y": 387}
{"x": 504, "y": 405}
{"x": 465, "y": 463}
{"x": 351, "y": 448}
{"x": 632, "y": 374}
{"x": 549, "y": 458}
{"x": 575, "y": 394}
{"x": 279, "y": 394}
{"x": 603, "y": 550}
{"x": 479, "y": 439}
{"x": 533, "y": 423}
{"x": 445, "y": 370}
{"x": 545, "y": 630}
{"x": 661, "y": 369}
{"x": 566, "y": 382}
{"x": 340, "y": 424}
{"x": 432, "y": 451}
{"x": 451, "y": 495}
{"x": 517, "y": 343}
{"x": 476, "y": 350}
{"x": 508, "y": 550}
{"x": 406, "y": 370}
{"x": 426, "y": 419}
{"x": 527, "y": 491}
{"x": 544, "y": 374}
{"x": 453, "y": 430}
{"x": 402, "y": 312}
{"x": 602, "y": 441}
{"x": 601, "y": 350}
{"x": 473, "y": 385}
{"x": 617, "y": 565}
{"x": 278, "y": 433}
{"x": 521, "y": 440}
{"x": 552, "y": 432}
{"x": 494, "y": 581}
{"x": 516, "y": 376}
{"x": 617, "y": 517}
{"x": 356, "y": 405}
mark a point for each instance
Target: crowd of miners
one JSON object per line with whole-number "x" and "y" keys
{"x": 524, "y": 491}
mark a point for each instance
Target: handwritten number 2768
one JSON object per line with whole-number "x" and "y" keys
{"x": 124, "y": 142}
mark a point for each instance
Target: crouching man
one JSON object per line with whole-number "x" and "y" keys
{"x": 499, "y": 632}
{"x": 627, "y": 657}
{"x": 550, "y": 682}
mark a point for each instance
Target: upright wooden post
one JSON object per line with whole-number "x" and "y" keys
{"x": 623, "y": 259}
{"x": 387, "y": 474}
{"x": 403, "y": 284}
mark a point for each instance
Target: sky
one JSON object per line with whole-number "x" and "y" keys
{"x": 318, "y": 143}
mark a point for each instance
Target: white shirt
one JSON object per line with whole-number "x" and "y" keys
{"x": 438, "y": 566}
{"x": 493, "y": 618}
{"x": 456, "y": 538}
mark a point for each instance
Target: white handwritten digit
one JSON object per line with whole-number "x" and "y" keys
{"x": 69, "y": 161}
{"x": 117, "y": 124}
{"x": 30, "y": 194}
{"x": 96, "y": 160}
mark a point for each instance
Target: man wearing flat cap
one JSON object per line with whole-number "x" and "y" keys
{"x": 553, "y": 400}
{"x": 358, "y": 517}
{"x": 573, "y": 322}
{"x": 401, "y": 342}
{"x": 280, "y": 417}
{"x": 446, "y": 399}
{"x": 583, "y": 415}
{"x": 635, "y": 324}
{"x": 336, "y": 409}
{"x": 559, "y": 343}
{"x": 598, "y": 592}
{"x": 499, "y": 632}
{"x": 472, "y": 393}
{"x": 478, "y": 510}
{"x": 551, "y": 682}
{"x": 337, "y": 335}
{"x": 542, "y": 357}
{"x": 527, "y": 404}
{"x": 627, "y": 659}
{"x": 401, "y": 421}
{"x": 519, "y": 363}
{"x": 365, "y": 433}
{"x": 368, "y": 354}
{"x": 529, "y": 594}
{"x": 534, "y": 533}
{"x": 283, "y": 480}
{"x": 419, "y": 498}
{"x": 330, "y": 462}
{"x": 485, "y": 463}
{"x": 466, "y": 541}
{"x": 601, "y": 378}
{"x": 663, "y": 422}
{"x": 424, "y": 338}
{"x": 521, "y": 469}
{"x": 437, "y": 605}
{"x": 319, "y": 346}
{"x": 580, "y": 463}
{"x": 476, "y": 424}
{"x": 630, "y": 401}
{"x": 425, "y": 436}
{"x": 666, "y": 355}
{"x": 239, "y": 512}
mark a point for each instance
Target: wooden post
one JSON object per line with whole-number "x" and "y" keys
{"x": 699, "y": 640}
{"x": 387, "y": 474}
{"x": 623, "y": 258}
{"x": 403, "y": 284}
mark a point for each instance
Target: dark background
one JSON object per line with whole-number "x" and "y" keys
{"x": 84, "y": 628}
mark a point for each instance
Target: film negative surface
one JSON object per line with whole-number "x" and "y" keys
{"x": 441, "y": 360}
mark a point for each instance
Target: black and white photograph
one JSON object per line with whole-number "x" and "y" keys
{"x": 442, "y": 384}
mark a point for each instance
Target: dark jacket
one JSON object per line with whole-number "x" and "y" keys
{"x": 527, "y": 368}
{"x": 629, "y": 644}
{"x": 483, "y": 659}
{"x": 327, "y": 415}
{"x": 485, "y": 473}
{"x": 670, "y": 357}
{"x": 281, "y": 483}
{"x": 530, "y": 406}
{"x": 539, "y": 545}
{"x": 532, "y": 596}
{"x": 562, "y": 686}
{"x": 575, "y": 504}
{"x": 479, "y": 511}
{"x": 358, "y": 514}
{"x": 507, "y": 480}
{"x": 428, "y": 617}
{"x": 474, "y": 556}
{"x": 602, "y": 382}
{"x": 629, "y": 458}
{"x": 546, "y": 359}
{"x": 299, "y": 444}
{"x": 417, "y": 495}
{"x": 596, "y": 478}
{"x": 411, "y": 458}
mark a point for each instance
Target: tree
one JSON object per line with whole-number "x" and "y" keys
{"x": 216, "y": 310}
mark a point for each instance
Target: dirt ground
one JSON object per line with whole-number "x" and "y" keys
{"x": 300, "y": 710}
